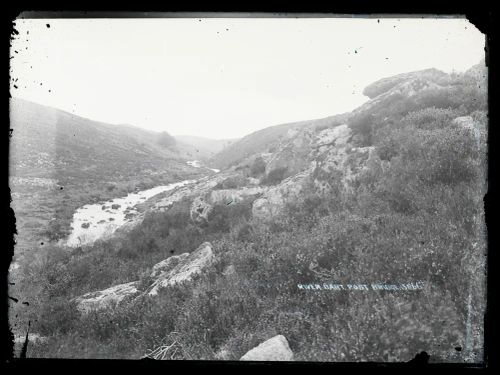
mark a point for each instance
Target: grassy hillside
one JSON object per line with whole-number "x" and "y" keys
{"x": 265, "y": 140}
{"x": 50, "y": 143}
{"x": 59, "y": 161}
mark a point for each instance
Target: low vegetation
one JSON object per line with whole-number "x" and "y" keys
{"x": 275, "y": 176}
{"x": 413, "y": 215}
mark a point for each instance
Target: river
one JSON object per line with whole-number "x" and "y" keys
{"x": 197, "y": 164}
{"x": 95, "y": 221}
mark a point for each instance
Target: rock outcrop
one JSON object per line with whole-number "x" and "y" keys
{"x": 186, "y": 269}
{"x": 329, "y": 159}
{"x": 173, "y": 270}
{"x": 274, "y": 199}
{"x": 293, "y": 151}
{"x": 229, "y": 196}
{"x": 274, "y": 349}
{"x": 385, "y": 84}
{"x": 337, "y": 136}
{"x": 202, "y": 205}
{"x": 167, "y": 265}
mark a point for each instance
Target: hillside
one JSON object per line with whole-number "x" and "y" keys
{"x": 263, "y": 140}
{"x": 358, "y": 237}
{"x": 60, "y": 161}
{"x": 51, "y": 143}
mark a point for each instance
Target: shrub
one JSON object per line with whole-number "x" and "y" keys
{"x": 258, "y": 167}
{"x": 275, "y": 176}
{"x": 223, "y": 216}
{"x": 362, "y": 126}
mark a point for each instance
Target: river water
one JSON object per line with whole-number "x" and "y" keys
{"x": 197, "y": 164}
{"x": 94, "y": 221}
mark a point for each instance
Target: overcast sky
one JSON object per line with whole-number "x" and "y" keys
{"x": 224, "y": 78}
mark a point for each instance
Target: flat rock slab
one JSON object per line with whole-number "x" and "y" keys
{"x": 107, "y": 298}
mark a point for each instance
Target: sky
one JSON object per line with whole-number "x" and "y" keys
{"x": 225, "y": 77}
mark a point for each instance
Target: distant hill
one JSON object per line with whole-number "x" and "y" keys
{"x": 50, "y": 143}
{"x": 59, "y": 162}
{"x": 205, "y": 147}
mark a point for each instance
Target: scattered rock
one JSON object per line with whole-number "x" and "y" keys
{"x": 274, "y": 349}
{"x": 115, "y": 206}
{"x": 85, "y": 225}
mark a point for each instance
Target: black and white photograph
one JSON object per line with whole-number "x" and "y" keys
{"x": 249, "y": 188}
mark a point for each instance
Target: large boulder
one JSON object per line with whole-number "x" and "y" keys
{"x": 107, "y": 298}
{"x": 185, "y": 270}
{"x": 388, "y": 90}
{"x": 274, "y": 349}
